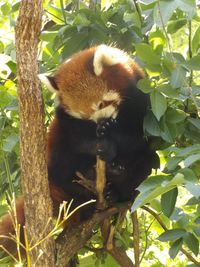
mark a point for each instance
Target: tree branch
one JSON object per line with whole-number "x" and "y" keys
{"x": 100, "y": 183}
{"x": 75, "y": 238}
{"x": 136, "y": 238}
{"x": 35, "y": 186}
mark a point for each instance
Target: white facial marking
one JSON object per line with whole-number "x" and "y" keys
{"x": 106, "y": 55}
{"x": 78, "y": 115}
{"x": 68, "y": 60}
{"x": 111, "y": 96}
{"x": 107, "y": 112}
{"x": 44, "y": 79}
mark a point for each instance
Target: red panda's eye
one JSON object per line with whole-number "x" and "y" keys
{"x": 101, "y": 105}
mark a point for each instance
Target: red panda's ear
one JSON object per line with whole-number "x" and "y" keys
{"x": 49, "y": 82}
{"x": 108, "y": 56}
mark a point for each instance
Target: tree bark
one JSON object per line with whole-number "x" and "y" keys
{"x": 38, "y": 208}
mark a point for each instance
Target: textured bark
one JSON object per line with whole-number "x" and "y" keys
{"x": 38, "y": 208}
{"x": 74, "y": 239}
{"x": 100, "y": 183}
{"x": 136, "y": 238}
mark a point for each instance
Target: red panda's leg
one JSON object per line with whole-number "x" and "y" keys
{"x": 7, "y": 226}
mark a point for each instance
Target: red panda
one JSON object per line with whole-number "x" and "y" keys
{"x": 100, "y": 112}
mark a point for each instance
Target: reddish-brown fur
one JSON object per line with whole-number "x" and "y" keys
{"x": 7, "y": 225}
{"x": 70, "y": 92}
{"x": 79, "y": 88}
{"x": 117, "y": 82}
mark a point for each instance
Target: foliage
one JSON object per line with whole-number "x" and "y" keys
{"x": 164, "y": 38}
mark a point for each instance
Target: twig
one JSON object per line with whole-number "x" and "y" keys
{"x": 194, "y": 100}
{"x": 121, "y": 257}
{"x": 146, "y": 238}
{"x": 100, "y": 183}
{"x": 90, "y": 185}
{"x": 138, "y": 10}
{"x": 159, "y": 220}
{"x": 164, "y": 30}
{"x": 75, "y": 238}
{"x": 136, "y": 238}
{"x": 109, "y": 243}
{"x": 137, "y": 7}
{"x": 191, "y": 73}
{"x": 117, "y": 253}
{"x": 63, "y": 11}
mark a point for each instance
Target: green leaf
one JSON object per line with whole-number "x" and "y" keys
{"x": 196, "y": 40}
{"x": 191, "y": 159}
{"x": 163, "y": 12}
{"x": 196, "y": 229}
{"x": 146, "y": 53}
{"x": 157, "y": 40}
{"x": 5, "y": 97}
{"x": 187, "y": 6}
{"x": 15, "y": 7}
{"x": 189, "y": 175}
{"x": 48, "y": 36}
{"x": 12, "y": 66}
{"x": 147, "y": 2}
{"x": 172, "y": 163}
{"x": 168, "y": 201}
{"x": 177, "y": 78}
{"x": 193, "y": 188}
{"x": 192, "y": 243}
{"x": 153, "y": 192}
{"x": 175, "y": 115}
{"x": 183, "y": 152}
{"x": 195, "y": 122}
{"x": 1, "y": 47}
{"x": 5, "y": 8}
{"x": 168, "y": 131}
{"x": 3, "y": 209}
{"x": 172, "y": 235}
{"x": 152, "y": 182}
{"x": 193, "y": 63}
{"x": 81, "y": 20}
{"x": 10, "y": 142}
{"x": 146, "y": 85}
{"x": 175, "y": 25}
{"x": 192, "y": 201}
{"x": 2, "y": 122}
{"x": 55, "y": 14}
{"x": 151, "y": 125}
{"x": 158, "y": 103}
{"x": 167, "y": 90}
{"x": 73, "y": 44}
{"x": 197, "y": 220}
{"x": 191, "y": 265}
{"x": 175, "y": 247}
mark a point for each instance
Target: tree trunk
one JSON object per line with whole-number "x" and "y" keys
{"x": 38, "y": 208}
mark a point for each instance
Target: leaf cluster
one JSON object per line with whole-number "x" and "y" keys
{"x": 164, "y": 38}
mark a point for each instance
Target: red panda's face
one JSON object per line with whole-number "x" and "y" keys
{"x": 91, "y": 84}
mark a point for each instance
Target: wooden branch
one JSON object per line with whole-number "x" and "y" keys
{"x": 35, "y": 186}
{"x": 90, "y": 185}
{"x": 100, "y": 183}
{"x": 75, "y": 238}
{"x": 121, "y": 257}
{"x": 136, "y": 238}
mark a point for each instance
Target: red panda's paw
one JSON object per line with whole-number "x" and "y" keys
{"x": 106, "y": 149}
{"x": 111, "y": 195}
{"x": 104, "y": 126}
{"x": 115, "y": 168}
